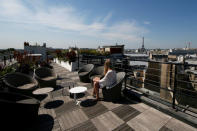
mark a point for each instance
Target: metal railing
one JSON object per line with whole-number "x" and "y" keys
{"x": 181, "y": 97}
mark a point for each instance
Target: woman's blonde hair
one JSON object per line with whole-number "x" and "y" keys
{"x": 107, "y": 66}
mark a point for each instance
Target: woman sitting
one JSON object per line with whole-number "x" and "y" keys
{"x": 107, "y": 81}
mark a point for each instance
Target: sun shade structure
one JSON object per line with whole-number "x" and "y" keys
{"x": 84, "y": 72}
{"x": 46, "y": 77}
{"x": 20, "y": 83}
{"x": 114, "y": 93}
{"x": 17, "y": 110}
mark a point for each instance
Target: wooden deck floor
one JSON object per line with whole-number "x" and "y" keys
{"x": 58, "y": 112}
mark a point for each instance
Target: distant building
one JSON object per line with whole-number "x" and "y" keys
{"x": 134, "y": 57}
{"x": 130, "y": 51}
{"x": 183, "y": 52}
{"x": 158, "y": 55}
{"x": 112, "y": 49}
{"x": 175, "y": 54}
{"x": 36, "y": 49}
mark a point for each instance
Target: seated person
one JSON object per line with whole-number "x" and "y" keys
{"x": 107, "y": 81}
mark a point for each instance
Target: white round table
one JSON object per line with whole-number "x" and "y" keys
{"x": 41, "y": 91}
{"x": 78, "y": 89}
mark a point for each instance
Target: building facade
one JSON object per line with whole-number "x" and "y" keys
{"x": 36, "y": 49}
{"x": 112, "y": 49}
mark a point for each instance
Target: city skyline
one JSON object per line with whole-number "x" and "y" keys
{"x": 93, "y": 23}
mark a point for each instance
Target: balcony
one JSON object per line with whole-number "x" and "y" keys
{"x": 59, "y": 112}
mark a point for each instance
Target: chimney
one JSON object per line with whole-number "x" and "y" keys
{"x": 26, "y": 43}
{"x": 44, "y": 44}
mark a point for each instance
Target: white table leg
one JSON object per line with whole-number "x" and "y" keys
{"x": 78, "y": 102}
{"x": 75, "y": 97}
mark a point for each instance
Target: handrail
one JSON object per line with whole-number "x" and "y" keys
{"x": 174, "y": 92}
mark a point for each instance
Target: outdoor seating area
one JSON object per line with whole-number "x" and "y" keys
{"x": 60, "y": 111}
{"x": 98, "y": 65}
{"x": 114, "y": 93}
{"x": 18, "y": 110}
{"x": 84, "y": 72}
{"x": 97, "y": 72}
{"x": 20, "y": 83}
{"x": 46, "y": 77}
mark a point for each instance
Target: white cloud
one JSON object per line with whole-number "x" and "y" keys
{"x": 69, "y": 19}
{"x": 107, "y": 17}
{"x": 11, "y": 8}
{"x": 147, "y": 22}
{"x": 126, "y": 30}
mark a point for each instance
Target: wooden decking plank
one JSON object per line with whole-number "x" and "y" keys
{"x": 56, "y": 93}
{"x": 126, "y": 112}
{"x": 110, "y": 105}
{"x": 66, "y": 99}
{"x": 86, "y": 126}
{"x": 145, "y": 120}
{"x": 95, "y": 110}
{"x": 124, "y": 127}
{"x": 69, "y": 106}
{"x": 98, "y": 124}
{"x": 177, "y": 125}
{"x": 107, "y": 121}
{"x": 72, "y": 118}
{"x": 140, "y": 107}
{"x": 164, "y": 128}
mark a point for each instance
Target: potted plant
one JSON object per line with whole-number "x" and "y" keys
{"x": 71, "y": 56}
{"x": 25, "y": 66}
{"x": 5, "y": 70}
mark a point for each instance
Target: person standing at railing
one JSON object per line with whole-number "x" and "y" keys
{"x": 107, "y": 81}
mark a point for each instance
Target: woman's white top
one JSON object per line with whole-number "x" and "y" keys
{"x": 108, "y": 80}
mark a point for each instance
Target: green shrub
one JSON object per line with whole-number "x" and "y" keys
{"x": 6, "y": 70}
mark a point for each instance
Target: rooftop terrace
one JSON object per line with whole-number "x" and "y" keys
{"x": 58, "y": 111}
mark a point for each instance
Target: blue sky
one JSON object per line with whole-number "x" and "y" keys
{"x": 90, "y": 23}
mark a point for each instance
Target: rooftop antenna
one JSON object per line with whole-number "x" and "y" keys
{"x": 185, "y": 45}
{"x": 189, "y": 45}
{"x": 142, "y": 42}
